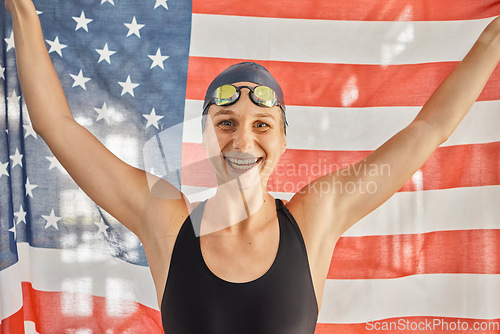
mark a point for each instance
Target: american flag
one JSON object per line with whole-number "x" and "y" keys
{"x": 353, "y": 73}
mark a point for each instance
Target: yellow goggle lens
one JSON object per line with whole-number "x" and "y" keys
{"x": 265, "y": 96}
{"x": 225, "y": 94}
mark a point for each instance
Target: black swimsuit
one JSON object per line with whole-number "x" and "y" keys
{"x": 282, "y": 301}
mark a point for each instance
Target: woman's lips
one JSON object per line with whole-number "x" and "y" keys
{"x": 242, "y": 164}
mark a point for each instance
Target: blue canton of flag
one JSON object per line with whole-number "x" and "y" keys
{"x": 123, "y": 67}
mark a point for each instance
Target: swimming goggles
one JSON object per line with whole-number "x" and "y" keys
{"x": 262, "y": 96}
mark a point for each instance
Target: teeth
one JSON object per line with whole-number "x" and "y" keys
{"x": 241, "y": 163}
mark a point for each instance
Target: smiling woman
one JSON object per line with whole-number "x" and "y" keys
{"x": 242, "y": 261}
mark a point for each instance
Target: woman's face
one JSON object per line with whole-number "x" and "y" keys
{"x": 244, "y": 140}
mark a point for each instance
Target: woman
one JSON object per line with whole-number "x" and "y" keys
{"x": 242, "y": 230}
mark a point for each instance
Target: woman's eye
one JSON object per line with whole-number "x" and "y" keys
{"x": 225, "y": 123}
{"x": 261, "y": 125}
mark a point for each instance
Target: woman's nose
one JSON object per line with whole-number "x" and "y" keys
{"x": 243, "y": 140}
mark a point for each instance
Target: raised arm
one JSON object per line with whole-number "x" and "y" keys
{"x": 408, "y": 150}
{"x": 118, "y": 188}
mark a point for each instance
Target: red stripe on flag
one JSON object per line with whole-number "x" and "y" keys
{"x": 58, "y": 312}
{"x": 322, "y": 85}
{"x": 449, "y": 167}
{"x": 393, "y": 256}
{"x": 13, "y": 324}
{"x": 416, "y": 325}
{"x": 374, "y": 10}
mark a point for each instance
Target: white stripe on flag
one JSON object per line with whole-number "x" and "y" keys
{"x": 418, "y": 212}
{"x": 414, "y": 212}
{"x": 75, "y": 270}
{"x": 323, "y": 41}
{"x": 321, "y": 128}
{"x": 442, "y": 295}
{"x": 10, "y": 290}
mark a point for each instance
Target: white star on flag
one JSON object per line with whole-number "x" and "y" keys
{"x": 162, "y": 3}
{"x": 2, "y": 71}
{"x": 13, "y": 98}
{"x": 152, "y": 118}
{"x": 29, "y": 187}
{"x": 105, "y": 53}
{"x": 128, "y": 86}
{"x": 80, "y": 80}
{"x": 13, "y": 230}
{"x": 29, "y": 131}
{"x": 133, "y": 28}
{"x": 82, "y": 21}
{"x": 103, "y": 113}
{"x": 17, "y": 159}
{"x": 51, "y": 219}
{"x": 21, "y": 215}
{"x": 55, "y": 163}
{"x": 157, "y": 59}
{"x": 102, "y": 227}
{"x": 10, "y": 41}
{"x": 3, "y": 169}
{"x": 56, "y": 46}
{"x": 110, "y": 1}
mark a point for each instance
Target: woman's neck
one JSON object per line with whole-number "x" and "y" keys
{"x": 236, "y": 208}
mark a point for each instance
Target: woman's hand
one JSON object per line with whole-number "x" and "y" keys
{"x": 491, "y": 34}
{"x": 8, "y": 5}
{"x": 14, "y": 5}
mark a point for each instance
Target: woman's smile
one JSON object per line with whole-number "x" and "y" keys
{"x": 242, "y": 164}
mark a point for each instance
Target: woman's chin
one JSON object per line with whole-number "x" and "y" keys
{"x": 247, "y": 178}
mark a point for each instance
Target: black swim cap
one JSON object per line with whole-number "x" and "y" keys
{"x": 246, "y": 71}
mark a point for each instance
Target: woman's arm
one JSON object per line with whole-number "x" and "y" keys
{"x": 118, "y": 188}
{"x": 408, "y": 150}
